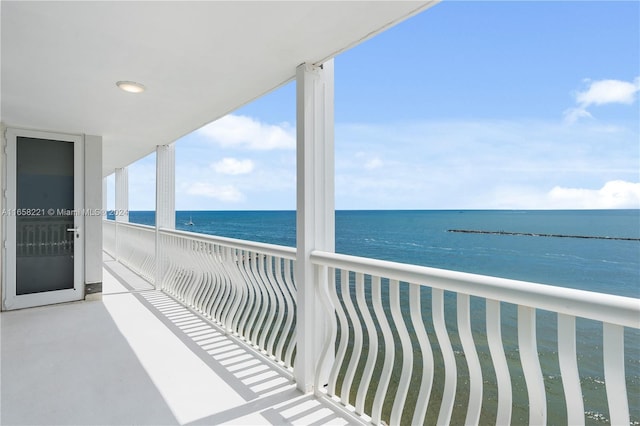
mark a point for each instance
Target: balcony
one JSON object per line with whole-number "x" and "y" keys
{"x": 402, "y": 344}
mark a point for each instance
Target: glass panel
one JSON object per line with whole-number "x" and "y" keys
{"x": 44, "y": 248}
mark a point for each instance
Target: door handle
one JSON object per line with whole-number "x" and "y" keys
{"x": 75, "y": 230}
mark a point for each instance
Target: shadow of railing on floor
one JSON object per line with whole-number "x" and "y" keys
{"x": 268, "y": 388}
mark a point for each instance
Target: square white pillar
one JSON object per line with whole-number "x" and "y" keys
{"x": 122, "y": 202}
{"x": 315, "y": 215}
{"x": 166, "y": 186}
{"x": 165, "y": 201}
{"x": 104, "y": 198}
{"x": 93, "y": 199}
{"x": 122, "y": 195}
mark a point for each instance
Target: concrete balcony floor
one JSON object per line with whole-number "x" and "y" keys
{"x": 139, "y": 357}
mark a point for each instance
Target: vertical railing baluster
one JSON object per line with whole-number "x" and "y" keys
{"x": 500, "y": 366}
{"x": 344, "y": 330}
{"x": 237, "y": 292}
{"x": 372, "y": 355}
{"x": 471, "y": 355}
{"x": 251, "y": 295}
{"x": 202, "y": 286}
{"x": 613, "y": 358}
{"x": 292, "y": 325}
{"x": 331, "y": 332}
{"x": 260, "y": 301}
{"x": 276, "y": 288}
{"x": 568, "y": 360}
{"x": 253, "y": 291}
{"x": 264, "y": 307}
{"x": 531, "y": 365}
{"x": 426, "y": 383}
{"x": 203, "y": 264}
{"x": 213, "y": 264}
{"x": 224, "y": 286}
{"x": 172, "y": 271}
{"x": 450, "y": 369}
{"x": 388, "y": 353}
{"x": 357, "y": 337}
{"x": 407, "y": 353}
{"x": 198, "y": 277}
{"x": 287, "y": 307}
{"x": 207, "y": 295}
{"x": 230, "y": 294}
{"x": 271, "y": 306}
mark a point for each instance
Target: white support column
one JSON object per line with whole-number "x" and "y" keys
{"x": 3, "y": 159}
{"x": 165, "y": 199}
{"x": 315, "y": 205}
{"x": 104, "y": 198}
{"x": 122, "y": 202}
{"x": 93, "y": 199}
{"x": 122, "y": 195}
{"x": 166, "y": 186}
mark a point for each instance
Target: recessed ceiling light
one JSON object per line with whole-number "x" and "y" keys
{"x": 131, "y": 86}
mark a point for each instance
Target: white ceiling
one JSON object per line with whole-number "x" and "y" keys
{"x": 199, "y": 61}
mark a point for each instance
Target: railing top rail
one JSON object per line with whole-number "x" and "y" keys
{"x": 597, "y": 306}
{"x": 136, "y": 225}
{"x": 269, "y": 249}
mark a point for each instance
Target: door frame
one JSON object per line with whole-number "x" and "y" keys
{"x": 9, "y": 298}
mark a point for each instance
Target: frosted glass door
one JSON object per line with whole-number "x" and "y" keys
{"x": 44, "y": 215}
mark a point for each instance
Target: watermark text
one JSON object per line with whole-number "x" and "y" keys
{"x": 63, "y": 212}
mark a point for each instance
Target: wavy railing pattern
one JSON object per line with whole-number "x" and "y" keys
{"x": 415, "y": 345}
{"x": 408, "y": 344}
{"x": 109, "y": 237}
{"x": 136, "y": 248}
{"x": 247, "y": 288}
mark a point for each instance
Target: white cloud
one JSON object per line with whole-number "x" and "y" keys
{"x": 616, "y": 194}
{"x": 368, "y": 161}
{"x": 602, "y": 92}
{"x": 232, "y": 166}
{"x": 572, "y": 115}
{"x": 227, "y": 193}
{"x": 608, "y": 92}
{"x": 240, "y": 131}
{"x": 373, "y": 163}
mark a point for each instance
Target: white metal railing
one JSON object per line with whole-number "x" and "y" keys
{"x": 406, "y": 344}
{"x": 246, "y": 287}
{"x": 136, "y": 248}
{"x": 109, "y": 237}
{"x": 414, "y": 343}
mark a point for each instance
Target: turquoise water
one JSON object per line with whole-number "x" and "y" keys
{"x": 422, "y": 238}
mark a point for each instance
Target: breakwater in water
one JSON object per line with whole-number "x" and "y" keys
{"x": 531, "y": 234}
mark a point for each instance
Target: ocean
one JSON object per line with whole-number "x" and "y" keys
{"x": 513, "y": 247}
{"x": 422, "y": 238}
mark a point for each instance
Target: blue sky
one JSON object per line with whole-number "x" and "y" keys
{"x": 469, "y": 105}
